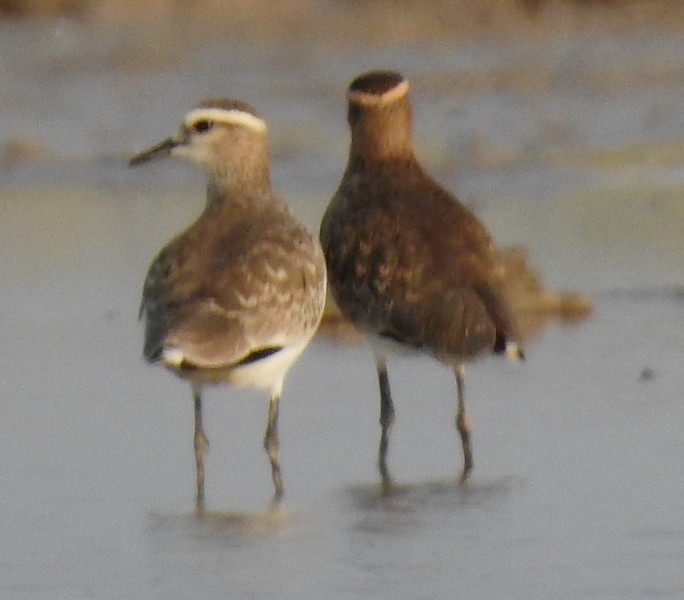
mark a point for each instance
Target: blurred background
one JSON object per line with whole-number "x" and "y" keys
{"x": 558, "y": 122}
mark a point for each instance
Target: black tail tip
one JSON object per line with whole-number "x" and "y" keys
{"x": 508, "y": 348}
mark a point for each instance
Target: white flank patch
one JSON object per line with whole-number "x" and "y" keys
{"x": 230, "y": 117}
{"x": 513, "y": 351}
{"x": 365, "y": 99}
{"x": 269, "y": 372}
{"x": 172, "y": 357}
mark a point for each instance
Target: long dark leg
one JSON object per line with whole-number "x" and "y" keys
{"x": 463, "y": 423}
{"x": 386, "y": 420}
{"x": 201, "y": 445}
{"x": 271, "y": 443}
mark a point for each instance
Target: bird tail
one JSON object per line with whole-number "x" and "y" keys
{"x": 534, "y": 306}
{"x": 508, "y": 348}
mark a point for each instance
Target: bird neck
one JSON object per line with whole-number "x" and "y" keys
{"x": 236, "y": 184}
{"x": 238, "y": 194}
{"x": 381, "y": 133}
{"x": 381, "y": 143}
{"x": 373, "y": 153}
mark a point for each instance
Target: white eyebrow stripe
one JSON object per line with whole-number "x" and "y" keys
{"x": 231, "y": 116}
{"x": 365, "y": 99}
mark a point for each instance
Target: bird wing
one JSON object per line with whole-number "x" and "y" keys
{"x": 252, "y": 290}
{"x": 417, "y": 267}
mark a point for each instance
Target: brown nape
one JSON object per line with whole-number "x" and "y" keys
{"x": 376, "y": 82}
{"x": 381, "y": 131}
{"x": 228, "y": 104}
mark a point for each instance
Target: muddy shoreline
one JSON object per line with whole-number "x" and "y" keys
{"x": 379, "y": 20}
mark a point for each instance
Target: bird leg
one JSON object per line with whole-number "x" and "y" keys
{"x": 463, "y": 423}
{"x": 271, "y": 443}
{"x": 201, "y": 445}
{"x": 386, "y": 420}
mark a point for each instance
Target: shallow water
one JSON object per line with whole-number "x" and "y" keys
{"x": 578, "y": 482}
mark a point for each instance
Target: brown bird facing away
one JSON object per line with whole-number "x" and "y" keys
{"x": 407, "y": 263}
{"x": 237, "y": 296}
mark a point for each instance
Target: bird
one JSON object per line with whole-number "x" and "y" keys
{"x": 409, "y": 264}
{"x": 236, "y": 297}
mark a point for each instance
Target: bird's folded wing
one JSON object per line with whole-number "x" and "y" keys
{"x": 205, "y": 336}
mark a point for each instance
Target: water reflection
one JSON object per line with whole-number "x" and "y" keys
{"x": 415, "y": 497}
{"x": 220, "y": 524}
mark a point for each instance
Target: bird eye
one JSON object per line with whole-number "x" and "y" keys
{"x": 202, "y": 126}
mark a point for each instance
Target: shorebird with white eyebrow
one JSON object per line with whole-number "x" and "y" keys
{"x": 238, "y": 295}
{"x": 408, "y": 263}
